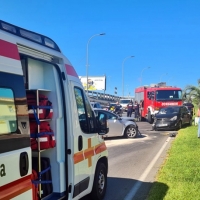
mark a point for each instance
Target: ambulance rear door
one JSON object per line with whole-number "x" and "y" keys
{"x": 15, "y": 151}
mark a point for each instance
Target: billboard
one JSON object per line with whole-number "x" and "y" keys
{"x": 94, "y": 82}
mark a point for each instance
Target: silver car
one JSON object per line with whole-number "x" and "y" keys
{"x": 120, "y": 126}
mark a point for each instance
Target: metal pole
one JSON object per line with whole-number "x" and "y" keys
{"x": 87, "y": 62}
{"x": 123, "y": 73}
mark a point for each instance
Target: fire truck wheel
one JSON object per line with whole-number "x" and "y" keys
{"x": 150, "y": 119}
{"x": 130, "y": 132}
{"x": 100, "y": 183}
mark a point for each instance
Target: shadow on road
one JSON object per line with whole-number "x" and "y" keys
{"x": 118, "y": 188}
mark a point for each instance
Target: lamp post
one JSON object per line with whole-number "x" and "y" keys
{"x": 142, "y": 73}
{"x": 162, "y": 76}
{"x": 87, "y": 62}
{"x": 123, "y": 73}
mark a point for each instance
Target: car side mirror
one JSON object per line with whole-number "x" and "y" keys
{"x": 102, "y": 123}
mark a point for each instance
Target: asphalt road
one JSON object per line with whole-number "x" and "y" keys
{"x": 134, "y": 163}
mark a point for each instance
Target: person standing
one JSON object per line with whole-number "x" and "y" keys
{"x": 129, "y": 109}
{"x": 136, "y": 107}
{"x": 141, "y": 106}
{"x": 118, "y": 108}
{"x": 198, "y": 115}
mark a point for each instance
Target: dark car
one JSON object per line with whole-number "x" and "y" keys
{"x": 172, "y": 118}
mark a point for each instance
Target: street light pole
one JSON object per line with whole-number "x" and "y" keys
{"x": 87, "y": 62}
{"x": 142, "y": 73}
{"x": 123, "y": 73}
{"x": 162, "y": 76}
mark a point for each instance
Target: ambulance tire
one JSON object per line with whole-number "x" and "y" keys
{"x": 100, "y": 183}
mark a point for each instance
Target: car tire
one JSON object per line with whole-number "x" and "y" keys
{"x": 100, "y": 183}
{"x": 130, "y": 132}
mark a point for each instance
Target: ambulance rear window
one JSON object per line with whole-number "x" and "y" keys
{"x": 31, "y": 36}
{"x": 8, "y": 119}
{"x": 9, "y": 28}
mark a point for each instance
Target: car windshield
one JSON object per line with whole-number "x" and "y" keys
{"x": 168, "y": 95}
{"x": 124, "y": 101}
{"x": 168, "y": 110}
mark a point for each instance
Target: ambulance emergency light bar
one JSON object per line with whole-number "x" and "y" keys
{"x": 34, "y": 37}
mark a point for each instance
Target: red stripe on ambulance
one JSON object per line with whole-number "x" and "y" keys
{"x": 70, "y": 70}
{"x": 9, "y": 50}
{"x": 15, "y": 188}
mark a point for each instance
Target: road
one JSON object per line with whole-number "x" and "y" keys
{"x": 134, "y": 163}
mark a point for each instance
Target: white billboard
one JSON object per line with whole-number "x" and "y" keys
{"x": 94, "y": 82}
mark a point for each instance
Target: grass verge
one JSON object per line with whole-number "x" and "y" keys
{"x": 179, "y": 176}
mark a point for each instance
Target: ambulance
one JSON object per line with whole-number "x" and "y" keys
{"x": 51, "y": 141}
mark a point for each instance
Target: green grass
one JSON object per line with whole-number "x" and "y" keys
{"x": 179, "y": 176}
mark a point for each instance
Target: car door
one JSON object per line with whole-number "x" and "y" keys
{"x": 115, "y": 125}
{"x": 185, "y": 115}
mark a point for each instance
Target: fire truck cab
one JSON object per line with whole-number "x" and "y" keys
{"x": 154, "y": 97}
{"x": 51, "y": 141}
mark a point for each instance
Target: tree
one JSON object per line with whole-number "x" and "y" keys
{"x": 192, "y": 93}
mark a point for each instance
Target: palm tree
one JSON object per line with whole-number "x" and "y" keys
{"x": 192, "y": 93}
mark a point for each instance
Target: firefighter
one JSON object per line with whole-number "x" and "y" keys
{"x": 129, "y": 109}
{"x": 136, "y": 106}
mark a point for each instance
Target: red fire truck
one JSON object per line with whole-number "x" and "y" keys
{"x": 156, "y": 96}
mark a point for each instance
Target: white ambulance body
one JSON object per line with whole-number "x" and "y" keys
{"x": 79, "y": 160}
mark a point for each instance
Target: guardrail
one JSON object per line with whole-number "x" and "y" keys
{"x": 103, "y": 96}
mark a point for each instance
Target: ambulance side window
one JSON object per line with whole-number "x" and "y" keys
{"x": 8, "y": 119}
{"x": 85, "y": 113}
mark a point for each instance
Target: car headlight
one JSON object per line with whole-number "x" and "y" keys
{"x": 173, "y": 118}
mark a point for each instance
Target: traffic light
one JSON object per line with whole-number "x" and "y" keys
{"x": 115, "y": 90}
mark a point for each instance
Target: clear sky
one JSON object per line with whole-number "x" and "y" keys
{"x": 163, "y": 35}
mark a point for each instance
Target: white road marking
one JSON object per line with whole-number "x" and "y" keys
{"x": 137, "y": 185}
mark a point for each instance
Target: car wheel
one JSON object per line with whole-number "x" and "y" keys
{"x": 130, "y": 132}
{"x": 100, "y": 183}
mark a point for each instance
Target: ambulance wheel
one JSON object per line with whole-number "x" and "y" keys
{"x": 100, "y": 183}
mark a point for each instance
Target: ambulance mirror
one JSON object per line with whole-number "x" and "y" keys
{"x": 102, "y": 121}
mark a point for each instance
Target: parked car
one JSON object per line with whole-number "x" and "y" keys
{"x": 95, "y": 104}
{"x": 123, "y": 103}
{"x": 120, "y": 126}
{"x": 172, "y": 118}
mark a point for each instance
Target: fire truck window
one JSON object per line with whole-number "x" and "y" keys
{"x": 150, "y": 95}
{"x": 8, "y": 119}
{"x": 168, "y": 95}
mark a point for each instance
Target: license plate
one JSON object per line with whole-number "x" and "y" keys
{"x": 162, "y": 125}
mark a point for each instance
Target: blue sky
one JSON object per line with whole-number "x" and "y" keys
{"x": 163, "y": 35}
